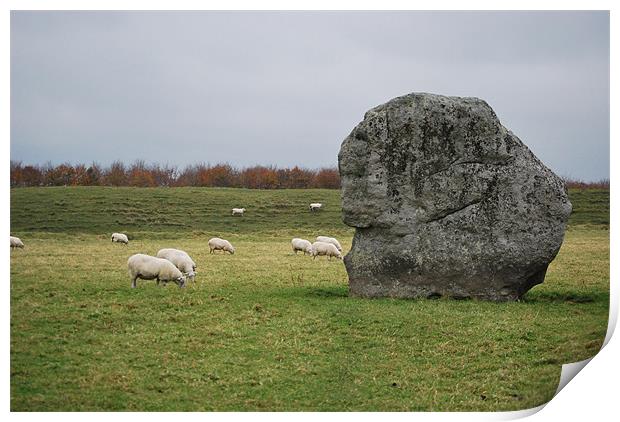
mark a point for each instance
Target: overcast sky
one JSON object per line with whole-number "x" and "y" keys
{"x": 285, "y": 88}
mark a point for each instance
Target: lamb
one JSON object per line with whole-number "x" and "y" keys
{"x": 238, "y": 211}
{"x": 16, "y": 242}
{"x": 301, "y": 245}
{"x": 327, "y": 249}
{"x": 220, "y": 244}
{"x": 181, "y": 260}
{"x": 120, "y": 238}
{"x": 315, "y": 206}
{"x": 148, "y": 267}
{"x": 329, "y": 240}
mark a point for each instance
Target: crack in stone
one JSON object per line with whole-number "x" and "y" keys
{"x": 458, "y": 163}
{"x": 452, "y": 211}
{"x": 442, "y": 169}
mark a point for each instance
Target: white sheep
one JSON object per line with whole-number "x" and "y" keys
{"x": 329, "y": 240}
{"x": 327, "y": 249}
{"x": 16, "y": 242}
{"x": 301, "y": 245}
{"x": 238, "y": 211}
{"x": 120, "y": 238}
{"x": 216, "y": 244}
{"x": 148, "y": 267}
{"x": 315, "y": 206}
{"x": 181, "y": 260}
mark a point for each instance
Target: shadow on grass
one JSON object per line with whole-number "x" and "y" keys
{"x": 328, "y": 292}
{"x": 310, "y": 292}
{"x": 317, "y": 292}
{"x": 564, "y": 297}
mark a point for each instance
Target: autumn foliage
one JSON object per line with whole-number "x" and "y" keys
{"x": 140, "y": 174}
{"x": 580, "y": 184}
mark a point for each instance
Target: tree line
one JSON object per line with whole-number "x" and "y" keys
{"x": 581, "y": 184}
{"x": 141, "y": 174}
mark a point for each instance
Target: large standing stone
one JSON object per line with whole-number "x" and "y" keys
{"x": 446, "y": 201}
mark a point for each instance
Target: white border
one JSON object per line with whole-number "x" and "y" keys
{"x": 591, "y": 394}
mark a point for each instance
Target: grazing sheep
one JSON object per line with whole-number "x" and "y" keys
{"x": 301, "y": 245}
{"x": 315, "y": 206}
{"x": 181, "y": 260}
{"x": 16, "y": 242}
{"x": 120, "y": 238}
{"x": 220, "y": 244}
{"x": 327, "y": 249}
{"x": 329, "y": 240}
{"x": 148, "y": 267}
{"x": 238, "y": 211}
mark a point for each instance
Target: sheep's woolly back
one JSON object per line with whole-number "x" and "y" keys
{"x": 301, "y": 245}
{"x": 150, "y": 266}
{"x": 331, "y": 240}
{"x": 221, "y": 244}
{"x": 179, "y": 258}
{"x": 16, "y": 242}
{"x": 120, "y": 237}
{"x": 324, "y": 248}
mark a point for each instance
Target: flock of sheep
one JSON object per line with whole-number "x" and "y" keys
{"x": 327, "y": 246}
{"x": 175, "y": 265}
{"x": 170, "y": 264}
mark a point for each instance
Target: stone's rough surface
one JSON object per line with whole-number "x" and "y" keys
{"x": 446, "y": 201}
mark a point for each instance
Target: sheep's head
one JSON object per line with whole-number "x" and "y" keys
{"x": 181, "y": 281}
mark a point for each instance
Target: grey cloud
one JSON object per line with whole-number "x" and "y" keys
{"x": 285, "y": 88}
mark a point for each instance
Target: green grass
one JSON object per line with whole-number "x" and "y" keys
{"x": 265, "y": 329}
{"x": 201, "y": 211}
{"x": 590, "y": 207}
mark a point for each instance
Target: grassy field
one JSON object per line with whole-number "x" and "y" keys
{"x": 265, "y": 329}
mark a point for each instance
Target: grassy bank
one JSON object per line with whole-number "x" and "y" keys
{"x": 207, "y": 210}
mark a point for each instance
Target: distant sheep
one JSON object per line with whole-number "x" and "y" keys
{"x": 238, "y": 211}
{"x": 301, "y": 245}
{"x": 16, "y": 242}
{"x": 217, "y": 244}
{"x": 326, "y": 249}
{"x": 181, "y": 260}
{"x": 147, "y": 267}
{"x": 120, "y": 238}
{"x": 315, "y": 206}
{"x": 329, "y": 240}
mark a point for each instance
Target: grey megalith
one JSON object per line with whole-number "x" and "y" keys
{"x": 446, "y": 201}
